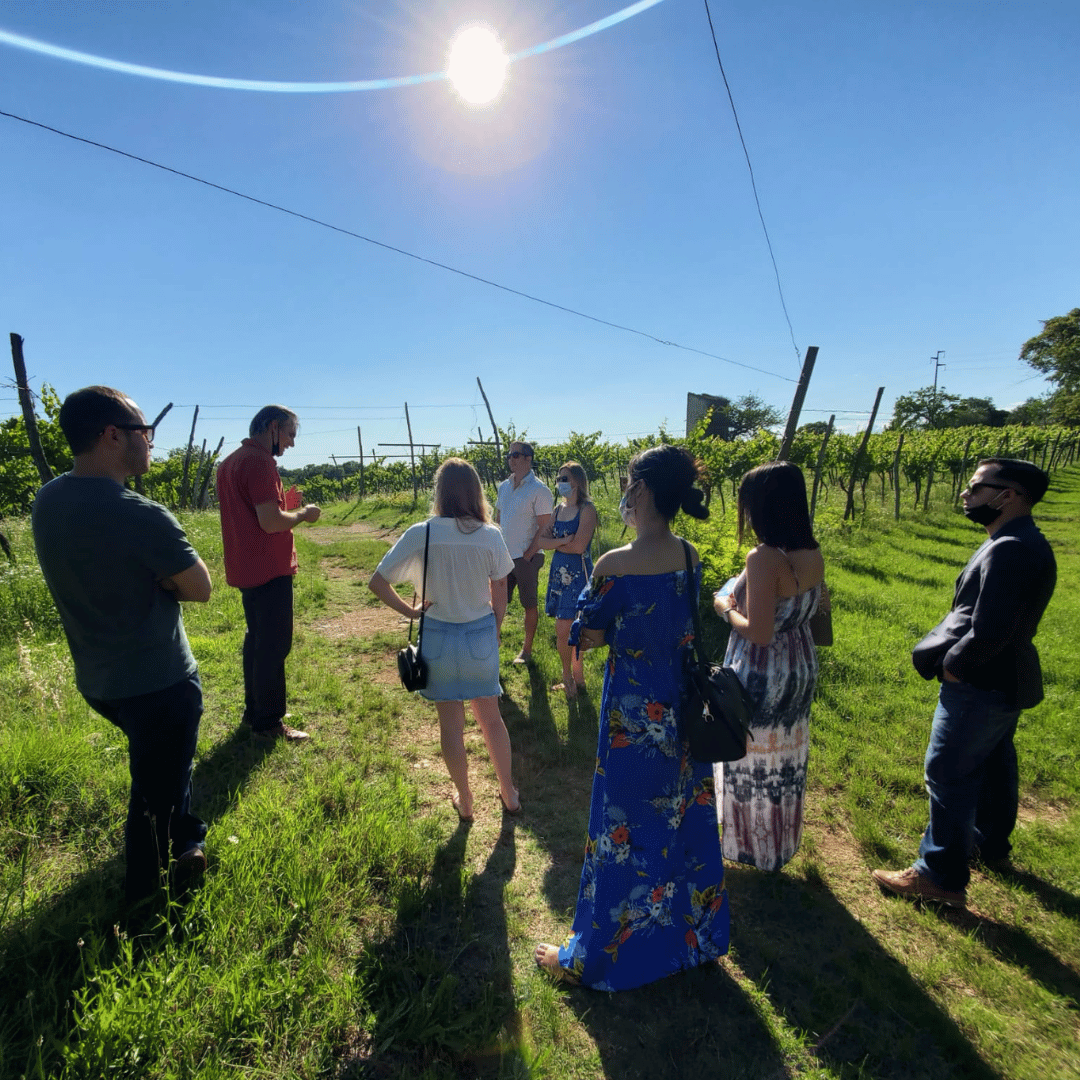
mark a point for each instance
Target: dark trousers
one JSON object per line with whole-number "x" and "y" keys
{"x": 973, "y": 783}
{"x": 162, "y": 730}
{"x": 268, "y": 611}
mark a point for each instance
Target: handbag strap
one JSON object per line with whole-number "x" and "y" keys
{"x": 423, "y": 591}
{"x": 693, "y": 605}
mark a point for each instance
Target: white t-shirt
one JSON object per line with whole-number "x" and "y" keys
{"x": 518, "y": 510}
{"x": 460, "y": 567}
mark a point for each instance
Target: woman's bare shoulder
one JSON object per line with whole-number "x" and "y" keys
{"x": 613, "y": 562}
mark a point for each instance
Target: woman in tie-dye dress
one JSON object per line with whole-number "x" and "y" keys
{"x": 772, "y": 651}
{"x": 651, "y": 900}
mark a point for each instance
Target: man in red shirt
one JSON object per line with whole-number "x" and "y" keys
{"x": 260, "y": 561}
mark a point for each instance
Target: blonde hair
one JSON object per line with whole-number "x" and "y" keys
{"x": 459, "y": 494}
{"x": 577, "y": 471}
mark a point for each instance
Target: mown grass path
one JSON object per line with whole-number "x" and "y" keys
{"x": 351, "y": 926}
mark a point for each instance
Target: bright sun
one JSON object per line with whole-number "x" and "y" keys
{"x": 477, "y": 65}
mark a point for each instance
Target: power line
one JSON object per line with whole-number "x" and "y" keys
{"x": 398, "y": 250}
{"x": 753, "y": 184}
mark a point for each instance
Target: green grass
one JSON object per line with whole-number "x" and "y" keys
{"x": 350, "y": 927}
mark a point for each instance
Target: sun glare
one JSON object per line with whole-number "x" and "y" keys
{"x": 477, "y": 65}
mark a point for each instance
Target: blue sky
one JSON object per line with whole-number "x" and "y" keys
{"x": 917, "y": 164}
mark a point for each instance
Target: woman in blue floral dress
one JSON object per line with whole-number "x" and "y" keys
{"x": 652, "y": 899}
{"x": 569, "y": 534}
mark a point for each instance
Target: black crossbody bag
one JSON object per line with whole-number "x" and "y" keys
{"x": 411, "y": 666}
{"x": 716, "y": 711}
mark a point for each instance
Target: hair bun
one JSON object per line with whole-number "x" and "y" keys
{"x": 693, "y": 503}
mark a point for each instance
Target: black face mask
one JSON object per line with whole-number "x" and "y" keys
{"x": 984, "y": 514}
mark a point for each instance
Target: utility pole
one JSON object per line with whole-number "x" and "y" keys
{"x": 937, "y": 364}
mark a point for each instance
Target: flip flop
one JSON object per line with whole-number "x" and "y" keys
{"x": 517, "y": 811}
{"x": 461, "y": 817}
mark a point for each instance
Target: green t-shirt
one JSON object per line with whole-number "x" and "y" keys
{"x": 103, "y": 550}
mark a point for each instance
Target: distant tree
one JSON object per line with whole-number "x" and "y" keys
{"x": 815, "y": 427}
{"x": 1056, "y": 351}
{"x": 748, "y": 415}
{"x": 19, "y": 480}
{"x": 923, "y": 408}
{"x": 931, "y": 409}
{"x": 1036, "y": 411}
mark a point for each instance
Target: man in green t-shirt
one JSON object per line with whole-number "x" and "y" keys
{"x": 117, "y": 565}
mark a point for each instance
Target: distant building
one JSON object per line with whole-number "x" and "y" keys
{"x": 697, "y": 405}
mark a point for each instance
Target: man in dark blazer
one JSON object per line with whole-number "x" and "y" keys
{"x": 983, "y": 653}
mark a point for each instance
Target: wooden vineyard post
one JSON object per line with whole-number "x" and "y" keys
{"x": 797, "y": 403}
{"x": 200, "y": 502}
{"x": 494, "y": 426}
{"x": 360, "y": 443}
{"x": 896, "y": 477}
{"x": 412, "y": 455}
{"x": 849, "y": 510}
{"x": 26, "y": 402}
{"x": 187, "y": 460}
{"x": 817, "y": 467}
{"x": 963, "y": 467}
{"x": 929, "y": 485}
{"x": 157, "y": 420}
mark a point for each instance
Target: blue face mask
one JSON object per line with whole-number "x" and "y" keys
{"x": 564, "y": 487}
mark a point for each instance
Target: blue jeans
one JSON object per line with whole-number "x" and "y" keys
{"x": 972, "y": 780}
{"x": 268, "y": 611}
{"x": 162, "y": 729}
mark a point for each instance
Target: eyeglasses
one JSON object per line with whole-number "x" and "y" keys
{"x": 973, "y": 488}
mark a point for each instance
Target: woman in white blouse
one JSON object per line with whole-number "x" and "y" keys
{"x": 467, "y": 567}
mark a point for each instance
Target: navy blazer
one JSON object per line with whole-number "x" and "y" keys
{"x": 986, "y": 639}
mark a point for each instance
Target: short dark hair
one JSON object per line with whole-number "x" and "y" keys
{"x": 87, "y": 412}
{"x": 772, "y": 498}
{"x": 1031, "y": 481}
{"x": 670, "y": 473}
{"x": 526, "y": 448}
{"x": 267, "y": 415}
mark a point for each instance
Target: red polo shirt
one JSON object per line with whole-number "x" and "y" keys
{"x": 247, "y": 478}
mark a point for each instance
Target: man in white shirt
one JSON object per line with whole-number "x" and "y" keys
{"x": 522, "y": 509}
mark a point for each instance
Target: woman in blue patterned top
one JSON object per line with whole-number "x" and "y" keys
{"x": 652, "y": 899}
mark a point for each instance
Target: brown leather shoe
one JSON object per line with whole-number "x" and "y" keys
{"x": 283, "y": 731}
{"x": 912, "y": 885}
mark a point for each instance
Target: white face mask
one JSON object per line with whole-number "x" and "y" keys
{"x": 628, "y": 514}
{"x": 564, "y": 487}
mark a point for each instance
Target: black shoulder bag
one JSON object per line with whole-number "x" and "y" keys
{"x": 411, "y": 666}
{"x": 716, "y": 710}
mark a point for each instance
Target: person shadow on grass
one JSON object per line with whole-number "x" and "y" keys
{"x": 439, "y": 985}
{"x": 804, "y": 987}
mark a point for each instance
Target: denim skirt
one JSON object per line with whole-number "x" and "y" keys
{"x": 462, "y": 659}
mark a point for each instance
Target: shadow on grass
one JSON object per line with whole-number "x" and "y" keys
{"x": 827, "y": 976}
{"x": 439, "y": 985}
{"x": 40, "y": 955}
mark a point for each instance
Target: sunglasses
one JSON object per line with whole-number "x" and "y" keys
{"x": 514, "y": 454}
{"x": 563, "y": 479}
{"x": 146, "y": 429}
{"x": 994, "y": 487}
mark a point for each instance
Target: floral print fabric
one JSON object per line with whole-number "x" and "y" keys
{"x": 569, "y": 574}
{"x": 762, "y": 795}
{"x": 652, "y": 900}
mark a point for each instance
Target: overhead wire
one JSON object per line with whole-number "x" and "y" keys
{"x": 753, "y": 183}
{"x": 397, "y": 250}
